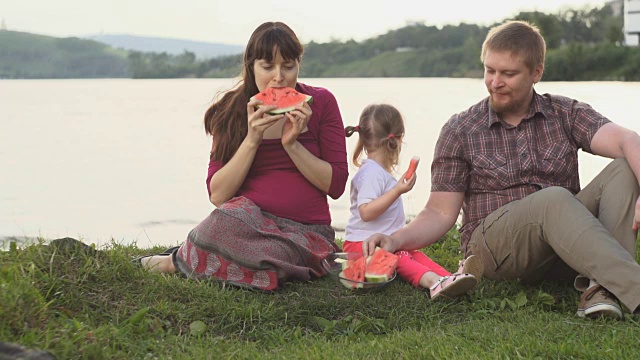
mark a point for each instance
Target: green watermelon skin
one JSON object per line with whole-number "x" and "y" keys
{"x": 285, "y": 98}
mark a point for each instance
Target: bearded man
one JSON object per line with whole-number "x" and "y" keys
{"x": 510, "y": 163}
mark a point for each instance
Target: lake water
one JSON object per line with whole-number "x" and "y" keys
{"x": 127, "y": 159}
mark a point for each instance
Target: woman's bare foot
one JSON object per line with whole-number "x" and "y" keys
{"x": 158, "y": 263}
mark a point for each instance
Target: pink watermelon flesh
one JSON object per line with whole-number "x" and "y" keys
{"x": 379, "y": 267}
{"x": 381, "y": 263}
{"x": 354, "y": 271}
{"x": 285, "y": 98}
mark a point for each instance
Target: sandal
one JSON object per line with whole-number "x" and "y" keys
{"x": 452, "y": 286}
{"x": 473, "y": 265}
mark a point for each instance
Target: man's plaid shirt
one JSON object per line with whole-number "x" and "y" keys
{"x": 495, "y": 163}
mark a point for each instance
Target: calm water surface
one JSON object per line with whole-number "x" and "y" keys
{"x": 127, "y": 159}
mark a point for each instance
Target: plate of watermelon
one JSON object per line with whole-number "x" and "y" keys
{"x": 355, "y": 271}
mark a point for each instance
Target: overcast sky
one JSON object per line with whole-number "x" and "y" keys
{"x": 232, "y": 21}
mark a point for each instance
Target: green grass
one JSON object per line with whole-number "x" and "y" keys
{"x": 76, "y": 305}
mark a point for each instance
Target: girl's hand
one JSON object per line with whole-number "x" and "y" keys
{"x": 259, "y": 120}
{"x": 297, "y": 121}
{"x": 404, "y": 186}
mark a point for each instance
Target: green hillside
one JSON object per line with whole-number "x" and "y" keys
{"x": 582, "y": 45}
{"x": 30, "y": 56}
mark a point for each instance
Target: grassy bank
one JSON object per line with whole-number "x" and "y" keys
{"x": 77, "y": 304}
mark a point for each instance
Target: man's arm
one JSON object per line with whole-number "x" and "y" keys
{"x": 614, "y": 141}
{"x": 437, "y": 217}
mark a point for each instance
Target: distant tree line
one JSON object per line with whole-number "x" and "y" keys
{"x": 583, "y": 44}
{"x": 30, "y": 56}
{"x": 185, "y": 65}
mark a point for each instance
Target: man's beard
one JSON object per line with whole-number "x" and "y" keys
{"x": 502, "y": 107}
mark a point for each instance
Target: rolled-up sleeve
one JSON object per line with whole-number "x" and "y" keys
{"x": 584, "y": 123}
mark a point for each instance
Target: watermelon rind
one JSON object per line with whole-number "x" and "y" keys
{"x": 308, "y": 99}
{"x": 375, "y": 278}
{"x": 349, "y": 284}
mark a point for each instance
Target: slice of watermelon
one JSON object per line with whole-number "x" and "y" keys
{"x": 413, "y": 165}
{"x": 381, "y": 266}
{"x": 353, "y": 270}
{"x": 285, "y": 98}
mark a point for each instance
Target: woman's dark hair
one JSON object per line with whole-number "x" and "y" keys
{"x": 226, "y": 119}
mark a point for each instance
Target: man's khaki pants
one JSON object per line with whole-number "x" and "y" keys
{"x": 554, "y": 235}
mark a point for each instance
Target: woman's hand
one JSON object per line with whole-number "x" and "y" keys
{"x": 259, "y": 120}
{"x": 297, "y": 121}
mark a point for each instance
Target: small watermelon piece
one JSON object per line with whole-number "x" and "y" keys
{"x": 353, "y": 270}
{"x": 285, "y": 98}
{"x": 347, "y": 283}
{"x": 381, "y": 266}
{"x": 413, "y": 165}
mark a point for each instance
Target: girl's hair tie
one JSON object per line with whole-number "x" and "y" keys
{"x": 356, "y": 128}
{"x": 391, "y": 136}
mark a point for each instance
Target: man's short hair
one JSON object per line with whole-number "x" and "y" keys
{"x": 518, "y": 37}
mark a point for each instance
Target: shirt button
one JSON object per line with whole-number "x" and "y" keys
{"x": 523, "y": 155}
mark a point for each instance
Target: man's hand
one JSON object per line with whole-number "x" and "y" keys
{"x": 384, "y": 241}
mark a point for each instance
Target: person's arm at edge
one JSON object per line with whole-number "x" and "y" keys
{"x": 614, "y": 141}
{"x": 434, "y": 221}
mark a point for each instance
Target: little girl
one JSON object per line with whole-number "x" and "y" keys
{"x": 376, "y": 205}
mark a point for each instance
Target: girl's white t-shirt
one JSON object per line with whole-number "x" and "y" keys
{"x": 369, "y": 183}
